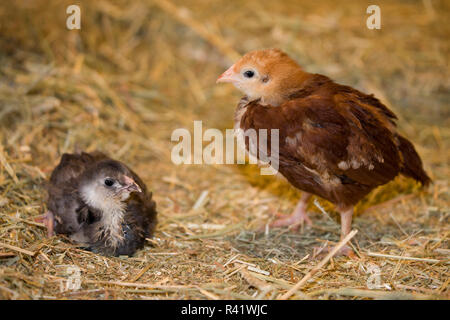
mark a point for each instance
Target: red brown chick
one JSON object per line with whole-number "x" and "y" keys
{"x": 334, "y": 141}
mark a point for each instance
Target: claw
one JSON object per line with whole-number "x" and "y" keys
{"x": 344, "y": 251}
{"x": 292, "y": 221}
{"x": 298, "y": 218}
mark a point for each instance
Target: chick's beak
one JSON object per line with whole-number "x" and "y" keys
{"x": 130, "y": 185}
{"x": 228, "y": 76}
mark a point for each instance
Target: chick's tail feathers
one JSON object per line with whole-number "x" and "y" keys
{"x": 412, "y": 164}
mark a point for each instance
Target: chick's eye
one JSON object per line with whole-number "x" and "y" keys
{"x": 109, "y": 182}
{"x": 249, "y": 74}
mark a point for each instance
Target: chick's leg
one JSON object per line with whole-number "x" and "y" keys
{"x": 346, "y": 226}
{"x": 49, "y": 222}
{"x": 298, "y": 216}
{"x": 346, "y": 221}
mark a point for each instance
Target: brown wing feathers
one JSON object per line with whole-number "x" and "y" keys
{"x": 336, "y": 141}
{"x": 411, "y": 163}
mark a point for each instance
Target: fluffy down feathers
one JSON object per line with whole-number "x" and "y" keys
{"x": 115, "y": 225}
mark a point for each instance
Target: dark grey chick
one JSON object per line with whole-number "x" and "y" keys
{"x": 100, "y": 203}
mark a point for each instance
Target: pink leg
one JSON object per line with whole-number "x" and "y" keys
{"x": 298, "y": 216}
{"x": 346, "y": 222}
{"x": 49, "y": 222}
{"x": 346, "y": 225}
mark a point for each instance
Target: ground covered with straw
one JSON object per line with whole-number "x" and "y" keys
{"x": 137, "y": 70}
